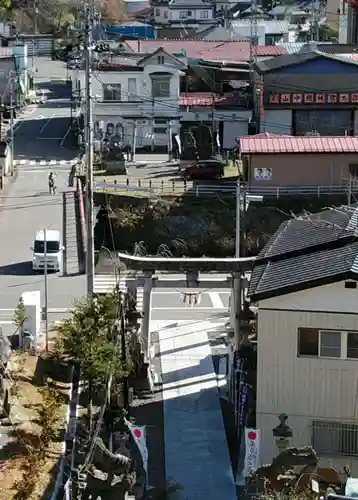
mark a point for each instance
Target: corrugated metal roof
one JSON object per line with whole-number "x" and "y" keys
{"x": 291, "y": 47}
{"x": 272, "y": 27}
{"x": 206, "y": 50}
{"x": 291, "y": 144}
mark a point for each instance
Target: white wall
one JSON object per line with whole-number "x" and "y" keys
{"x": 305, "y": 388}
{"x": 196, "y": 14}
{"x": 162, "y": 14}
{"x": 277, "y": 121}
{"x": 331, "y": 298}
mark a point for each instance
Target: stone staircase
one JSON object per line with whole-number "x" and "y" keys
{"x": 72, "y": 239}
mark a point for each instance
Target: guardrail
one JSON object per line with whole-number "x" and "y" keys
{"x": 179, "y": 187}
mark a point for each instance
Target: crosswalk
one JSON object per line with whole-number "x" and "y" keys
{"x": 45, "y": 163}
{"x": 106, "y": 283}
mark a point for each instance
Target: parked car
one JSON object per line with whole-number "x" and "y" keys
{"x": 204, "y": 170}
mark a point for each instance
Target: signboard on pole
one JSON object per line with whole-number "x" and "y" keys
{"x": 252, "y": 450}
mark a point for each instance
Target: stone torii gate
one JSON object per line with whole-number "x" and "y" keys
{"x": 192, "y": 267}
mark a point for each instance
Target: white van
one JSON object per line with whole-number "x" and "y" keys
{"x": 54, "y": 251}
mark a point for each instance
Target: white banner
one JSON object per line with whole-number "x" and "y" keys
{"x": 138, "y": 433}
{"x": 252, "y": 450}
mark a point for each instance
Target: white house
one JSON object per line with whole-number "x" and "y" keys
{"x": 305, "y": 284}
{"x": 136, "y": 96}
{"x": 191, "y": 13}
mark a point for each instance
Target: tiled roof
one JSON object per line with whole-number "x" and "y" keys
{"x": 307, "y": 252}
{"x": 303, "y": 271}
{"x": 309, "y": 231}
{"x": 291, "y": 144}
{"x": 208, "y": 99}
{"x": 207, "y": 50}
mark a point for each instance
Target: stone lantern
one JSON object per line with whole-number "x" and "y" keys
{"x": 247, "y": 316}
{"x": 282, "y": 433}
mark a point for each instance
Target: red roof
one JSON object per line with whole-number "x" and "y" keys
{"x": 207, "y": 50}
{"x": 208, "y": 99}
{"x": 290, "y": 144}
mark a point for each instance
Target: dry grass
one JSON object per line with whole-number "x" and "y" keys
{"x": 24, "y": 431}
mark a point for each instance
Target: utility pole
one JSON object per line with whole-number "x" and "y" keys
{"x": 89, "y": 149}
{"x": 237, "y": 302}
{"x": 124, "y": 354}
{"x": 170, "y": 142}
{"x": 46, "y": 289}
{"x": 134, "y": 141}
{"x": 153, "y": 126}
{"x": 315, "y": 27}
{"x": 12, "y": 126}
{"x": 253, "y": 53}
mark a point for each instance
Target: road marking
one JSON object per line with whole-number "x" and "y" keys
{"x": 216, "y": 300}
{"x": 65, "y": 136}
{"x": 47, "y": 122}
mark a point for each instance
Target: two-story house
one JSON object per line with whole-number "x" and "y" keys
{"x": 190, "y": 13}
{"x": 305, "y": 285}
{"x": 137, "y": 96}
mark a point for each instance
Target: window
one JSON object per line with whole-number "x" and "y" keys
{"x": 307, "y": 342}
{"x": 160, "y": 86}
{"x": 352, "y": 285}
{"x": 160, "y": 121}
{"x": 157, "y": 12}
{"x": 327, "y": 343}
{"x": 51, "y": 247}
{"x": 160, "y": 59}
{"x": 330, "y": 344}
{"x": 204, "y": 14}
{"x": 182, "y": 14}
{"x": 190, "y": 13}
{"x": 132, "y": 89}
{"x": 335, "y": 438}
{"x": 165, "y": 14}
{"x": 353, "y": 169}
{"x": 160, "y": 130}
{"x": 112, "y": 92}
{"x": 352, "y": 345}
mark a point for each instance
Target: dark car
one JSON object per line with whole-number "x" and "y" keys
{"x": 204, "y": 170}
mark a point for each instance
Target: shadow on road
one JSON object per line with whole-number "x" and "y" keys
{"x": 17, "y": 269}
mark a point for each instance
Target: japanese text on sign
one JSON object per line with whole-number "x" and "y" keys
{"x": 252, "y": 450}
{"x": 314, "y": 98}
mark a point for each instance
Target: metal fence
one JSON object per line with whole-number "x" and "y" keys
{"x": 335, "y": 438}
{"x": 198, "y": 189}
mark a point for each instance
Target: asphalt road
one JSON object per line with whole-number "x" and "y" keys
{"x": 27, "y": 206}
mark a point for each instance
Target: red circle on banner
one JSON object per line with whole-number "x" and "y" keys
{"x": 137, "y": 433}
{"x": 252, "y": 435}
